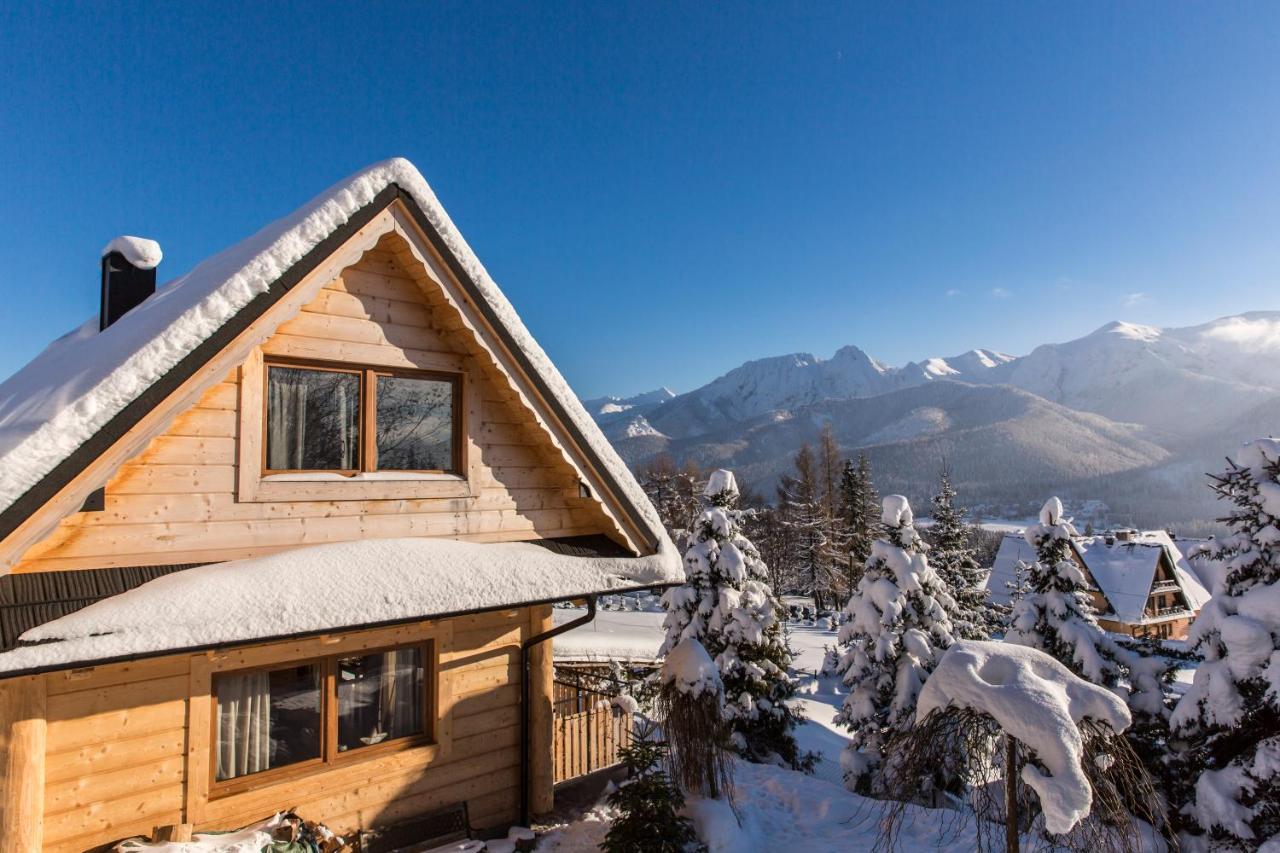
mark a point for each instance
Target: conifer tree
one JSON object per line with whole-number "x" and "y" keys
{"x": 809, "y": 527}
{"x": 898, "y": 624}
{"x": 726, "y": 604}
{"x": 1231, "y": 714}
{"x": 1056, "y": 614}
{"x": 648, "y": 804}
{"x": 860, "y": 506}
{"x": 951, "y": 555}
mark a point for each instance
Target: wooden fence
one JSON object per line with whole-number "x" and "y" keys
{"x": 588, "y": 729}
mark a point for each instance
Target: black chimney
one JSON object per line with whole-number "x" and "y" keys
{"x": 128, "y": 276}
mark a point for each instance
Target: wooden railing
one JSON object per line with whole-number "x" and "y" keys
{"x": 589, "y": 729}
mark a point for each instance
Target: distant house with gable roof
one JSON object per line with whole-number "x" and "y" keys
{"x": 1142, "y": 584}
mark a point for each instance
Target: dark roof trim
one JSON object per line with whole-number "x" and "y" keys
{"x": 53, "y": 482}
{"x": 302, "y": 635}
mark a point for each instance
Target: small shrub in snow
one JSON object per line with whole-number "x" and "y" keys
{"x": 726, "y": 604}
{"x": 648, "y": 806}
{"x": 1231, "y": 714}
{"x": 898, "y": 622}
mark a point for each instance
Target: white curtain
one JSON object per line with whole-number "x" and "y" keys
{"x": 289, "y": 393}
{"x": 400, "y": 694}
{"x": 244, "y": 723}
{"x": 286, "y": 420}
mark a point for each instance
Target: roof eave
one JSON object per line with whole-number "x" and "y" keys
{"x": 319, "y": 632}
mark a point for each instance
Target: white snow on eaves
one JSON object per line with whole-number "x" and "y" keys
{"x": 360, "y": 583}
{"x": 142, "y": 253}
{"x": 72, "y": 389}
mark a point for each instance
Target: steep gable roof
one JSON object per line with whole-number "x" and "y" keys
{"x": 87, "y": 389}
{"x": 1123, "y": 570}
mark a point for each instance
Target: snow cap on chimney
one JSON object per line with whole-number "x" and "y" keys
{"x": 139, "y": 251}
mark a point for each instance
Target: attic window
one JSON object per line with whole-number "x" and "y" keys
{"x": 351, "y": 420}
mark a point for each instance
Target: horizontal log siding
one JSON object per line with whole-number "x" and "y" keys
{"x": 176, "y": 500}
{"x": 116, "y": 761}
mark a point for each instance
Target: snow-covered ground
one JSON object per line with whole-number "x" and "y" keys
{"x": 784, "y": 810}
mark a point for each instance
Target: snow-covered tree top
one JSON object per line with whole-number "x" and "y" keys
{"x": 1051, "y": 512}
{"x": 691, "y": 670}
{"x": 896, "y": 511}
{"x": 721, "y": 482}
{"x": 1039, "y": 702}
{"x": 142, "y": 253}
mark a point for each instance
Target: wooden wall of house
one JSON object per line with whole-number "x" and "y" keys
{"x": 176, "y": 501}
{"x": 124, "y": 745}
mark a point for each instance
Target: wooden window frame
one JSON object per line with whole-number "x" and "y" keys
{"x": 367, "y": 451}
{"x": 330, "y": 757}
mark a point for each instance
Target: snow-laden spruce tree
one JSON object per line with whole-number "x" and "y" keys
{"x": 1057, "y": 615}
{"x": 952, "y": 557}
{"x": 1231, "y": 714}
{"x": 726, "y": 604}
{"x": 897, "y": 625}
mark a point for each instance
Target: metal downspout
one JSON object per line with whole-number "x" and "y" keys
{"x": 526, "y": 788}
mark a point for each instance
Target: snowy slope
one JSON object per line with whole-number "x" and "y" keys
{"x": 1186, "y": 380}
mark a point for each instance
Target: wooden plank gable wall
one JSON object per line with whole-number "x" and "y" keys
{"x": 176, "y": 501}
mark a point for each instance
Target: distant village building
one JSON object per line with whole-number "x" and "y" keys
{"x": 1142, "y": 585}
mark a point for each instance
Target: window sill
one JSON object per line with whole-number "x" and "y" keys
{"x": 363, "y": 477}
{"x": 293, "y": 488}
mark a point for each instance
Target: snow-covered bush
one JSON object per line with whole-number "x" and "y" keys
{"x": 691, "y": 705}
{"x": 1231, "y": 714}
{"x": 898, "y": 623}
{"x": 726, "y": 604}
{"x": 1015, "y": 721}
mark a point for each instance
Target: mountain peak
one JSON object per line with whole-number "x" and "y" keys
{"x": 1132, "y": 331}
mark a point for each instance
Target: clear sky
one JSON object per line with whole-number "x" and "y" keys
{"x": 665, "y": 191}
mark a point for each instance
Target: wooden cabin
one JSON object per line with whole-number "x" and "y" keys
{"x": 1140, "y": 582}
{"x": 286, "y": 531}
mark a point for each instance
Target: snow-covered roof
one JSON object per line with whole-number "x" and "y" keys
{"x": 1123, "y": 569}
{"x": 1014, "y": 549}
{"x": 80, "y": 382}
{"x": 361, "y": 583}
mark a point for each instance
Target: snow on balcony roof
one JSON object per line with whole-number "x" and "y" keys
{"x": 337, "y": 586}
{"x": 65, "y": 395}
{"x": 1123, "y": 570}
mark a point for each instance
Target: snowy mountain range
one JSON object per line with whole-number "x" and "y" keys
{"x": 1159, "y": 405}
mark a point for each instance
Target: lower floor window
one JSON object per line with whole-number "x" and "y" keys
{"x": 379, "y": 697}
{"x": 268, "y": 719}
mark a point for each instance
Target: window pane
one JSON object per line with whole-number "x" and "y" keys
{"x": 415, "y": 424}
{"x": 313, "y": 420}
{"x": 267, "y": 719}
{"x": 379, "y": 697}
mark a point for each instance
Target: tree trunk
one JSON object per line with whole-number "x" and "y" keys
{"x": 1010, "y": 794}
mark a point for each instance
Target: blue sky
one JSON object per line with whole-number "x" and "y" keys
{"x": 665, "y": 191}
